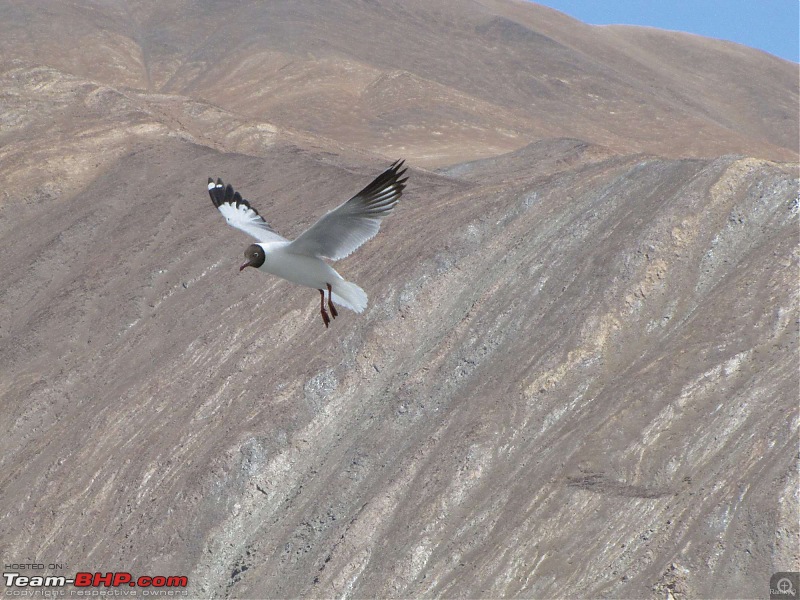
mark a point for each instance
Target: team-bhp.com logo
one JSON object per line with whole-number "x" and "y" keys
{"x": 95, "y": 580}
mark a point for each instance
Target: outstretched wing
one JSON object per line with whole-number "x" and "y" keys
{"x": 344, "y": 229}
{"x": 238, "y": 212}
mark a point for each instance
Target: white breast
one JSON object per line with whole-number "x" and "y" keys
{"x": 304, "y": 270}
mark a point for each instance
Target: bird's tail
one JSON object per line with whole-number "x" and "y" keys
{"x": 349, "y": 295}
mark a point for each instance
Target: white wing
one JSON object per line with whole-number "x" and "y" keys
{"x": 238, "y": 212}
{"x": 344, "y": 229}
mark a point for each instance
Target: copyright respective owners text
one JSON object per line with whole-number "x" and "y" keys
{"x": 56, "y": 580}
{"x": 95, "y": 593}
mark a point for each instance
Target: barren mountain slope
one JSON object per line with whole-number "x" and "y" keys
{"x": 577, "y": 374}
{"x": 515, "y": 414}
{"x": 439, "y": 82}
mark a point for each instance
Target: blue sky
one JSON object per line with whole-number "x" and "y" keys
{"x": 769, "y": 25}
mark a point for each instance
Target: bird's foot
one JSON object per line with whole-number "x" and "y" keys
{"x": 334, "y": 312}
{"x": 325, "y": 318}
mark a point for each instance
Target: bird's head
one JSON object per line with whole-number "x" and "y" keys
{"x": 254, "y": 256}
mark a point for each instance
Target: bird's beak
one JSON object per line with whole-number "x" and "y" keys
{"x": 247, "y": 264}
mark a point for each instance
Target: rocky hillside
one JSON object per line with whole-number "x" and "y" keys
{"x": 577, "y": 375}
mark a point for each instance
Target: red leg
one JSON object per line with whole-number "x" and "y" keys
{"x": 325, "y": 318}
{"x": 334, "y": 312}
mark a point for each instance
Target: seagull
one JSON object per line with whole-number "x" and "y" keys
{"x": 336, "y": 235}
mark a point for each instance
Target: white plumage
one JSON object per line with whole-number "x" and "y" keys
{"x": 335, "y": 236}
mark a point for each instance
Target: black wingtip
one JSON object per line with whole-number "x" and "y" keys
{"x": 228, "y": 194}
{"x": 222, "y": 193}
{"x": 398, "y": 170}
{"x": 217, "y": 191}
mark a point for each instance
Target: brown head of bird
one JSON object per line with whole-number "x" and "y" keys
{"x": 255, "y": 257}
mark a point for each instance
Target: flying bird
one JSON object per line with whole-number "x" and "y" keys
{"x": 335, "y": 236}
